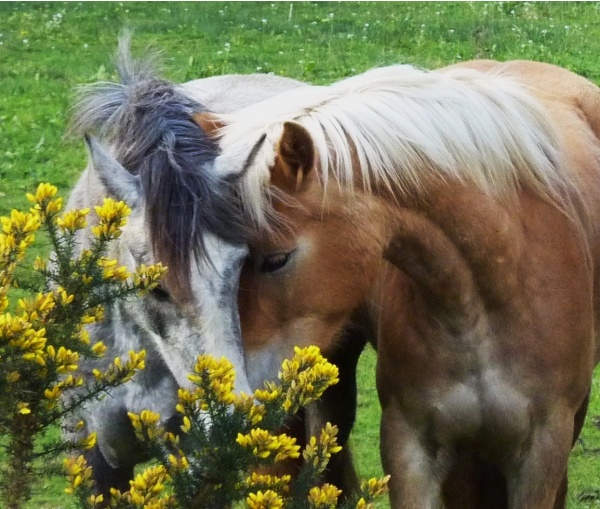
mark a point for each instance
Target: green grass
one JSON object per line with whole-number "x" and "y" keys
{"x": 48, "y": 48}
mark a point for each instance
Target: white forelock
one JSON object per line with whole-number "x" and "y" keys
{"x": 406, "y": 126}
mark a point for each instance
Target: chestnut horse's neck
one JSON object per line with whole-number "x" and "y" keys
{"x": 465, "y": 252}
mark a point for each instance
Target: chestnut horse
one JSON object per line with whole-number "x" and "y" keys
{"x": 452, "y": 214}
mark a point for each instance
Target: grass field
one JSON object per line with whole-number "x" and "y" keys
{"x": 46, "y": 49}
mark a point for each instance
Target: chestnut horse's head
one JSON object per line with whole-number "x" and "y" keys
{"x": 307, "y": 274}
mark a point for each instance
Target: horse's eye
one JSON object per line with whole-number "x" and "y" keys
{"x": 159, "y": 293}
{"x": 273, "y": 263}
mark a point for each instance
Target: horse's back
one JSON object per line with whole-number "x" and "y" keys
{"x": 549, "y": 83}
{"x": 572, "y": 103}
{"x": 231, "y": 92}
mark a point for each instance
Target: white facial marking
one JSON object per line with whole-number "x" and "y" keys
{"x": 215, "y": 289}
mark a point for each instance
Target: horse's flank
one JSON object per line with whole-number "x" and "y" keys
{"x": 406, "y": 127}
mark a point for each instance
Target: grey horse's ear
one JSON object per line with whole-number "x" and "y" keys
{"x": 120, "y": 184}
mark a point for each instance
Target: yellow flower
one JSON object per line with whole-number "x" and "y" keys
{"x": 78, "y": 473}
{"x": 287, "y": 448}
{"x": 363, "y": 504}
{"x": 70, "y": 382}
{"x": 52, "y": 207}
{"x": 61, "y": 296}
{"x": 93, "y": 315}
{"x": 146, "y": 424}
{"x": 149, "y": 418}
{"x": 23, "y": 408}
{"x": 146, "y": 278}
{"x": 279, "y": 484}
{"x": 111, "y": 271}
{"x": 215, "y": 377}
{"x": 318, "y": 452}
{"x": 53, "y": 393}
{"x": 305, "y": 377}
{"x": 65, "y": 360}
{"x": 88, "y": 442}
{"x": 3, "y": 299}
{"x": 79, "y": 426}
{"x": 98, "y": 348}
{"x": 376, "y": 487}
{"x": 113, "y": 216}
{"x": 39, "y": 263}
{"x": 84, "y": 336}
{"x": 267, "y": 500}
{"x": 324, "y": 497}
{"x": 179, "y": 462}
{"x": 73, "y": 220}
{"x": 217, "y": 369}
{"x": 271, "y": 392}
{"x": 44, "y": 192}
{"x": 112, "y": 210}
{"x": 263, "y": 444}
{"x": 43, "y": 200}
{"x": 20, "y": 223}
{"x": 244, "y": 403}
{"x": 38, "y": 307}
{"x": 147, "y": 486}
{"x": 21, "y": 335}
{"x": 115, "y": 497}
{"x": 119, "y": 372}
{"x": 187, "y": 424}
{"x": 95, "y": 500}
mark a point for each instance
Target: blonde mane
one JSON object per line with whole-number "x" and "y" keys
{"x": 404, "y": 126}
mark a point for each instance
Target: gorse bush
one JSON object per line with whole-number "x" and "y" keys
{"x": 43, "y": 339}
{"x": 229, "y": 442}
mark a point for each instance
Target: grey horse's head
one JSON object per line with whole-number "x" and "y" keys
{"x": 147, "y": 151}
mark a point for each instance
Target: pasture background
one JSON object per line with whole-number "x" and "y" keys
{"x": 46, "y": 49}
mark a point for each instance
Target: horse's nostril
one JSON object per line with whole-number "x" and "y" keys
{"x": 160, "y": 294}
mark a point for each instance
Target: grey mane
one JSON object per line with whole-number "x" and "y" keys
{"x": 148, "y": 124}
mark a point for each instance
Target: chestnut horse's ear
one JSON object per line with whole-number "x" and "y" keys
{"x": 295, "y": 158}
{"x": 208, "y": 122}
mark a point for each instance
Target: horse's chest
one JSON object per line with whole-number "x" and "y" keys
{"x": 483, "y": 410}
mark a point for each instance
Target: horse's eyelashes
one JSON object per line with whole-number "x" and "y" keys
{"x": 274, "y": 262}
{"x": 159, "y": 293}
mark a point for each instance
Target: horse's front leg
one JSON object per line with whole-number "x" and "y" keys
{"x": 416, "y": 472}
{"x": 105, "y": 476}
{"x": 534, "y": 479}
